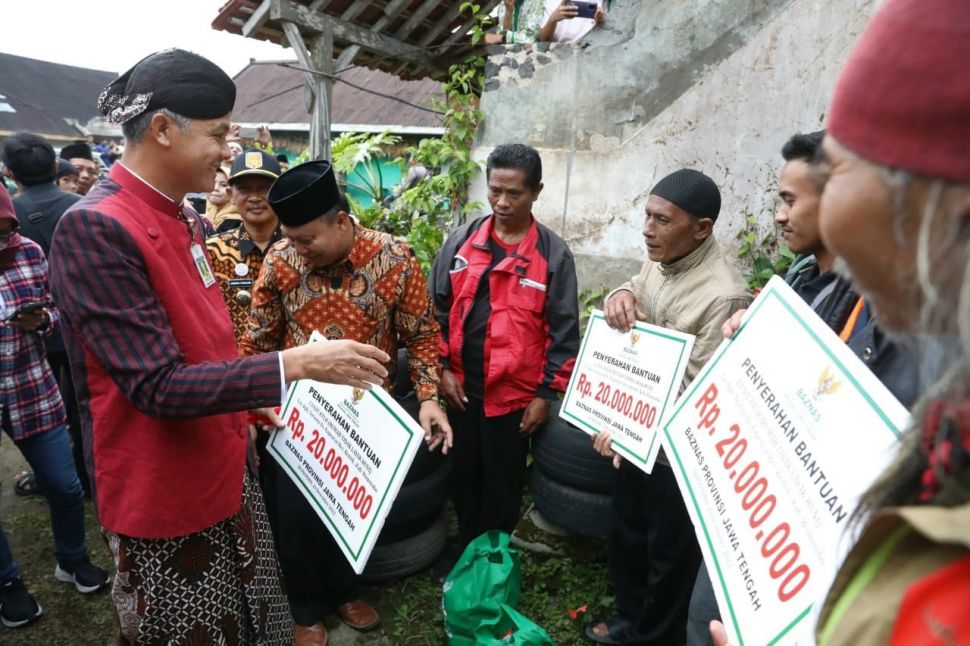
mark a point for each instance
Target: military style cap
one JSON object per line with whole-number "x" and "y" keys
{"x": 254, "y": 162}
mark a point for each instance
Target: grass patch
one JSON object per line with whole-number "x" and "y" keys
{"x": 410, "y": 608}
{"x": 552, "y": 585}
{"x": 69, "y": 616}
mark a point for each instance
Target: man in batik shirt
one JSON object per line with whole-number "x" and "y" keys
{"x": 346, "y": 282}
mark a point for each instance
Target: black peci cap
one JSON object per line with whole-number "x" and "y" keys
{"x": 77, "y": 151}
{"x": 304, "y": 193}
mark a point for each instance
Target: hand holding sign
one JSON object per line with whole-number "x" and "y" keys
{"x": 344, "y": 362}
{"x": 772, "y": 444}
{"x": 603, "y": 443}
{"x": 621, "y": 310}
{"x": 624, "y": 382}
{"x": 733, "y": 324}
{"x": 348, "y": 449}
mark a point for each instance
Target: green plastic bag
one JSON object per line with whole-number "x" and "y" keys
{"x": 486, "y": 577}
{"x": 512, "y": 627}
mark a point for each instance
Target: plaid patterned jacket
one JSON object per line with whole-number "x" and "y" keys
{"x": 27, "y": 386}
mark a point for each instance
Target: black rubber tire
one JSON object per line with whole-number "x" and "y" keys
{"x": 406, "y": 557}
{"x": 576, "y": 511}
{"x": 425, "y": 463}
{"x": 420, "y": 498}
{"x": 400, "y": 531}
{"x": 566, "y": 454}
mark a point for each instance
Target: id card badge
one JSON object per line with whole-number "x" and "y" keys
{"x": 205, "y": 272}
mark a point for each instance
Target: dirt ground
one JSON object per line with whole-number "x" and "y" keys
{"x": 567, "y": 576}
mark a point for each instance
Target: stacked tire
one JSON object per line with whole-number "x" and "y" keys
{"x": 416, "y": 528}
{"x": 571, "y": 483}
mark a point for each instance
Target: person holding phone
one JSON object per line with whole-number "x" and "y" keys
{"x": 32, "y": 414}
{"x": 519, "y": 22}
{"x": 567, "y": 21}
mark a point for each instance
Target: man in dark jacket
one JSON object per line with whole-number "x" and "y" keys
{"x": 504, "y": 289}
{"x": 32, "y": 162}
{"x": 39, "y": 206}
{"x": 832, "y": 297}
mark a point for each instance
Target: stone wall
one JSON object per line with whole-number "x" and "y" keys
{"x": 717, "y": 85}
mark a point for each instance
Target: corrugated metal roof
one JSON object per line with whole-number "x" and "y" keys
{"x": 410, "y": 38}
{"x": 270, "y": 92}
{"x": 43, "y": 96}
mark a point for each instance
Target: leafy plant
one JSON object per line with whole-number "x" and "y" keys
{"x": 589, "y": 300}
{"x": 761, "y": 256}
{"x": 355, "y": 154}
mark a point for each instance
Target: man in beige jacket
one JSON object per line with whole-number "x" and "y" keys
{"x": 688, "y": 285}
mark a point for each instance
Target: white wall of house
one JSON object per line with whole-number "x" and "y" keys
{"x": 717, "y": 85}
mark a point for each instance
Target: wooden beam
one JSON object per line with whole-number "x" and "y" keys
{"x": 319, "y": 5}
{"x": 415, "y": 19}
{"x": 257, "y": 19}
{"x": 441, "y": 25}
{"x": 289, "y": 11}
{"x": 463, "y": 30}
{"x": 322, "y": 51}
{"x": 391, "y": 11}
{"x": 296, "y": 41}
{"x": 354, "y": 10}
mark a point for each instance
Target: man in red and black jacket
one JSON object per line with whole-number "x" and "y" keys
{"x": 504, "y": 288}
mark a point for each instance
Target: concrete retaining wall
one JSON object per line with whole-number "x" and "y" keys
{"x": 717, "y": 85}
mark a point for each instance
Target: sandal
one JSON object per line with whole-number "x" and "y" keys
{"x": 613, "y": 626}
{"x": 24, "y": 484}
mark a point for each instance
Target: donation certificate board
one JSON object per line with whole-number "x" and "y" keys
{"x": 626, "y": 383}
{"x": 348, "y": 450}
{"x": 772, "y": 445}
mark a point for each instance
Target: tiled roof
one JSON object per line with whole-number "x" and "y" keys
{"x": 271, "y": 92}
{"x": 41, "y": 97}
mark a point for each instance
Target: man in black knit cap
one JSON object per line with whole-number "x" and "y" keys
{"x": 688, "y": 285}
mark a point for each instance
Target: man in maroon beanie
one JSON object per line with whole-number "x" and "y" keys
{"x": 896, "y": 211}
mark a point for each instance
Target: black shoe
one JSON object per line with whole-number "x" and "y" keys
{"x": 17, "y": 607}
{"x": 85, "y": 576}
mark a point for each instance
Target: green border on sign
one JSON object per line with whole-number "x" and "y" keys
{"x": 569, "y": 390}
{"x": 313, "y": 498}
{"x": 768, "y": 293}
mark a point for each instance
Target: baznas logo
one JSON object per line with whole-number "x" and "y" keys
{"x": 634, "y": 337}
{"x": 358, "y": 395}
{"x": 827, "y": 384}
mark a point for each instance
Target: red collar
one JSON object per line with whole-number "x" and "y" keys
{"x": 480, "y": 238}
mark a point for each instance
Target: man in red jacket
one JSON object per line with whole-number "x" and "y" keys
{"x": 504, "y": 288}
{"x": 162, "y": 391}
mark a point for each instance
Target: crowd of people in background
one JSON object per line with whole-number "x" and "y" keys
{"x": 153, "y": 316}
